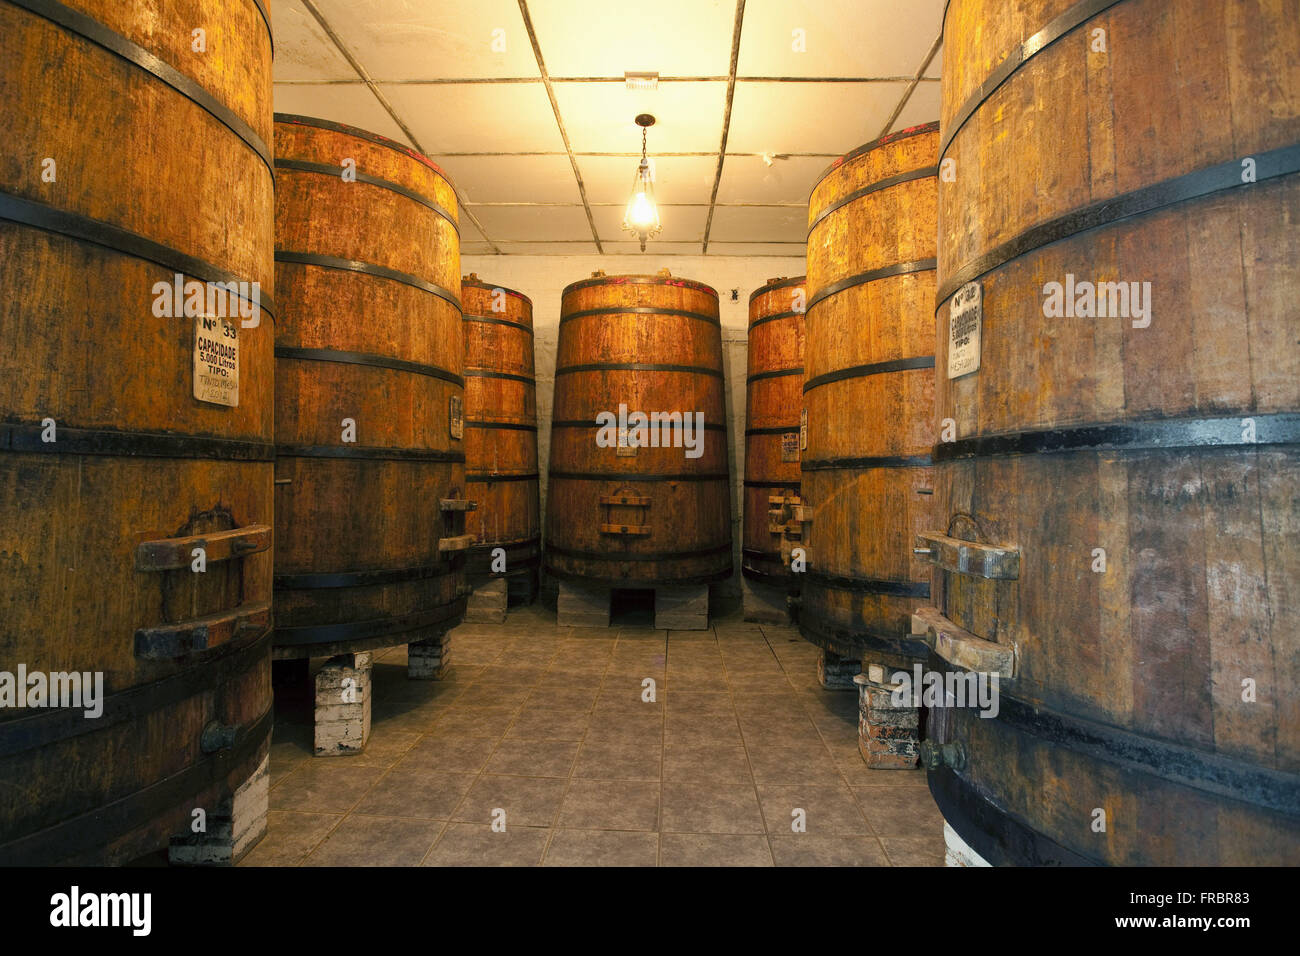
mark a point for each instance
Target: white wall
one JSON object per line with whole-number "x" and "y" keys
{"x": 543, "y": 278}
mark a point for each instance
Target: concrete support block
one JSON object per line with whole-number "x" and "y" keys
{"x": 487, "y": 603}
{"x": 837, "y": 673}
{"x": 429, "y": 659}
{"x": 582, "y": 605}
{"x": 230, "y": 829}
{"x": 888, "y": 732}
{"x": 343, "y": 705}
{"x": 682, "y": 609}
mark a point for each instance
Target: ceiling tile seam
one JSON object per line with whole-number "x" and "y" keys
{"x": 383, "y": 101}
{"x": 517, "y": 80}
{"x": 907, "y": 93}
{"x": 726, "y": 119}
{"x": 559, "y": 120}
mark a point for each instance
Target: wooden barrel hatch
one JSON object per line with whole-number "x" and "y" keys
{"x": 1119, "y": 383}
{"x": 135, "y": 422}
{"x": 369, "y": 414}
{"x": 618, "y": 514}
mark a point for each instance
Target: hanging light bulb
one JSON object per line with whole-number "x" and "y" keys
{"x": 642, "y": 215}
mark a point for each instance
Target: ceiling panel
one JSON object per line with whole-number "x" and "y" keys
{"x": 599, "y": 116}
{"x": 809, "y": 117}
{"x": 860, "y": 38}
{"x": 478, "y": 117}
{"x": 922, "y": 106}
{"x": 610, "y": 37}
{"x": 587, "y": 248}
{"x": 774, "y": 249}
{"x": 678, "y": 179}
{"x": 751, "y": 179}
{"x": 534, "y": 223}
{"x": 476, "y": 249}
{"x": 512, "y": 178}
{"x": 350, "y": 103}
{"x": 433, "y": 39}
{"x": 747, "y": 223}
{"x": 680, "y": 223}
{"x": 302, "y": 50}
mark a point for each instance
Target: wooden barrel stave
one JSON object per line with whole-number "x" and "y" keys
{"x": 674, "y": 345}
{"x": 368, "y": 271}
{"x": 772, "y": 411}
{"x": 501, "y": 432}
{"x": 869, "y": 361}
{"x": 74, "y": 513}
{"x": 1149, "y": 655}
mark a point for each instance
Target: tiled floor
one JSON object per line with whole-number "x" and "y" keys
{"x": 548, "y": 724}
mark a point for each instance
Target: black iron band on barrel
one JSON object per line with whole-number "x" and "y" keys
{"x": 97, "y": 33}
{"x": 925, "y": 172}
{"x": 486, "y": 549}
{"x": 774, "y": 430}
{"x": 765, "y": 483}
{"x": 484, "y": 478}
{"x": 508, "y": 376}
{"x": 297, "y": 635}
{"x": 310, "y": 581}
{"x": 615, "y": 557}
{"x": 671, "y": 425}
{"x": 599, "y": 476}
{"x": 221, "y": 665}
{"x": 637, "y": 367}
{"x": 855, "y": 642}
{"x": 840, "y": 582}
{"x": 506, "y": 322}
{"x": 97, "y": 232}
{"x": 365, "y": 268}
{"x": 122, "y": 444}
{"x": 1022, "y": 54}
{"x": 885, "y": 272}
{"x": 364, "y": 358}
{"x": 1283, "y": 161}
{"x": 306, "y": 166}
{"x": 773, "y": 373}
{"x": 876, "y": 368}
{"x": 368, "y": 453}
{"x": 882, "y": 461}
{"x": 1279, "y": 429}
{"x": 297, "y": 119}
{"x": 865, "y": 148}
{"x": 639, "y": 280}
{"x": 773, "y": 286}
{"x": 641, "y": 310}
{"x": 508, "y": 426}
{"x": 774, "y": 316}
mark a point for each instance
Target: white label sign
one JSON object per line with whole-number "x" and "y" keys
{"x": 216, "y": 361}
{"x": 803, "y": 430}
{"x": 965, "y": 321}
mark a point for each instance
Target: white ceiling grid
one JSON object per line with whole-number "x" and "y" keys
{"x": 524, "y": 103}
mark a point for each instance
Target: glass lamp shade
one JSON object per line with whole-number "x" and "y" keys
{"x": 642, "y": 215}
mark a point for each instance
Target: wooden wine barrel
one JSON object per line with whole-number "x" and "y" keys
{"x": 370, "y": 541}
{"x": 773, "y": 404}
{"x": 115, "y": 479}
{"x": 869, "y": 396}
{"x": 638, "y": 516}
{"x": 501, "y": 434}
{"x": 1117, "y": 507}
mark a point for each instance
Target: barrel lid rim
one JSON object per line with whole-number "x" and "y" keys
{"x": 782, "y": 283}
{"x": 480, "y": 284}
{"x": 887, "y": 139}
{"x": 640, "y": 278}
{"x": 301, "y": 119}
